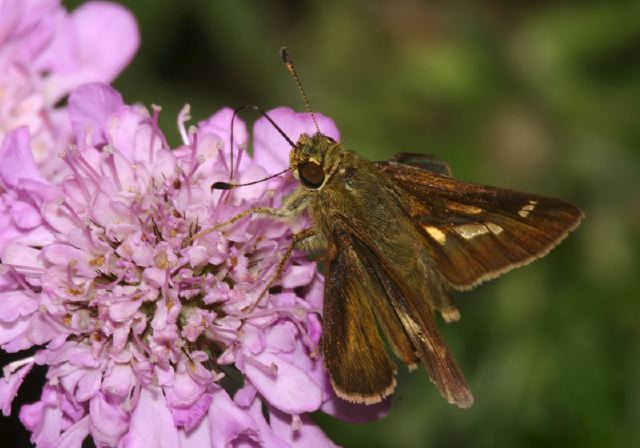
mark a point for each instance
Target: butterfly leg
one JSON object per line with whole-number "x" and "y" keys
{"x": 450, "y": 314}
{"x": 444, "y": 302}
{"x": 296, "y": 239}
{"x": 293, "y": 206}
{"x": 276, "y": 212}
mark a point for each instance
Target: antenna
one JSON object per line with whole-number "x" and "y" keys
{"x": 265, "y": 115}
{"x": 292, "y": 71}
{"x": 229, "y": 186}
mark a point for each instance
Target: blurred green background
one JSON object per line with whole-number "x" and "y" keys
{"x": 540, "y": 96}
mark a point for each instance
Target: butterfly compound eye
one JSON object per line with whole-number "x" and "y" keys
{"x": 311, "y": 174}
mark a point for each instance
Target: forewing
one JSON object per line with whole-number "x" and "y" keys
{"x": 475, "y": 233}
{"x": 352, "y": 348}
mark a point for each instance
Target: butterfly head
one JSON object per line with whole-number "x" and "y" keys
{"x": 313, "y": 158}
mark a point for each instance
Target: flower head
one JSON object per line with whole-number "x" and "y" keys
{"x": 150, "y": 338}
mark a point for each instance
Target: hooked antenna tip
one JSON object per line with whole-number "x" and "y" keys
{"x": 222, "y": 186}
{"x": 284, "y": 55}
{"x": 288, "y": 62}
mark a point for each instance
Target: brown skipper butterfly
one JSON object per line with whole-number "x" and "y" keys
{"x": 398, "y": 235}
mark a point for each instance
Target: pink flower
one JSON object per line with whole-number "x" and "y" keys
{"x": 146, "y": 333}
{"x": 45, "y": 53}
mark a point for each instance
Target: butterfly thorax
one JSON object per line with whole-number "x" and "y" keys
{"x": 359, "y": 197}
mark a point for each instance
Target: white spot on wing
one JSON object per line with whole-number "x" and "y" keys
{"x": 436, "y": 234}
{"x": 495, "y": 228}
{"x": 469, "y": 231}
{"x": 525, "y": 210}
{"x": 469, "y": 209}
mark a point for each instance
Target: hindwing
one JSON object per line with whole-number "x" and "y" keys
{"x": 362, "y": 294}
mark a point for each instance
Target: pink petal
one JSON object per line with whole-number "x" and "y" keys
{"x": 197, "y": 255}
{"x": 125, "y": 173}
{"x": 306, "y": 433}
{"x": 252, "y": 192}
{"x": 9, "y": 387}
{"x": 124, "y": 310}
{"x": 59, "y": 53}
{"x": 94, "y": 44}
{"x": 227, "y": 421}
{"x": 39, "y": 236}
{"x": 252, "y": 339}
{"x": 267, "y": 437}
{"x": 189, "y": 417}
{"x": 122, "y": 130}
{"x": 245, "y": 395}
{"x": 25, "y": 215}
{"x": 88, "y": 385}
{"x": 290, "y": 389}
{"x": 15, "y": 304}
{"x": 58, "y": 217}
{"x": 155, "y": 276}
{"x": 78, "y": 354}
{"x": 219, "y": 124}
{"x": 108, "y": 421}
{"x": 74, "y": 436}
{"x": 151, "y": 423}
{"x": 10, "y": 12}
{"x": 63, "y": 254}
{"x": 23, "y": 256}
{"x": 70, "y": 380}
{"x": 8, "y": 230}
{"x": 184, "y": 391}
{"x": 164, "y": 163}
{"x": 108, "y": 37}
{"x": 28, "y": 25}
{"x": 31, "y": 415}
{"x": 315, "y": 292}
{"x": 314, "y": 327}
{"x": 7, "y": 281}
{"x": 299, "y": 275}
{"x": 271, "y": 150}
{"x": 90, "y": 106}
{"x": 165, "y": 374}
{"x": 12, "y": 335}
{"x": 282, "y": 337}
{"x": 43, "y": 419}
{"x": 103, "y": 212}
{"x": 41, "y": 329}
{"x": 16, "y": 159}
{"x": 145, "y": 147}
{"x": 119, "y": 381}
{"x": 199, "y": 437}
